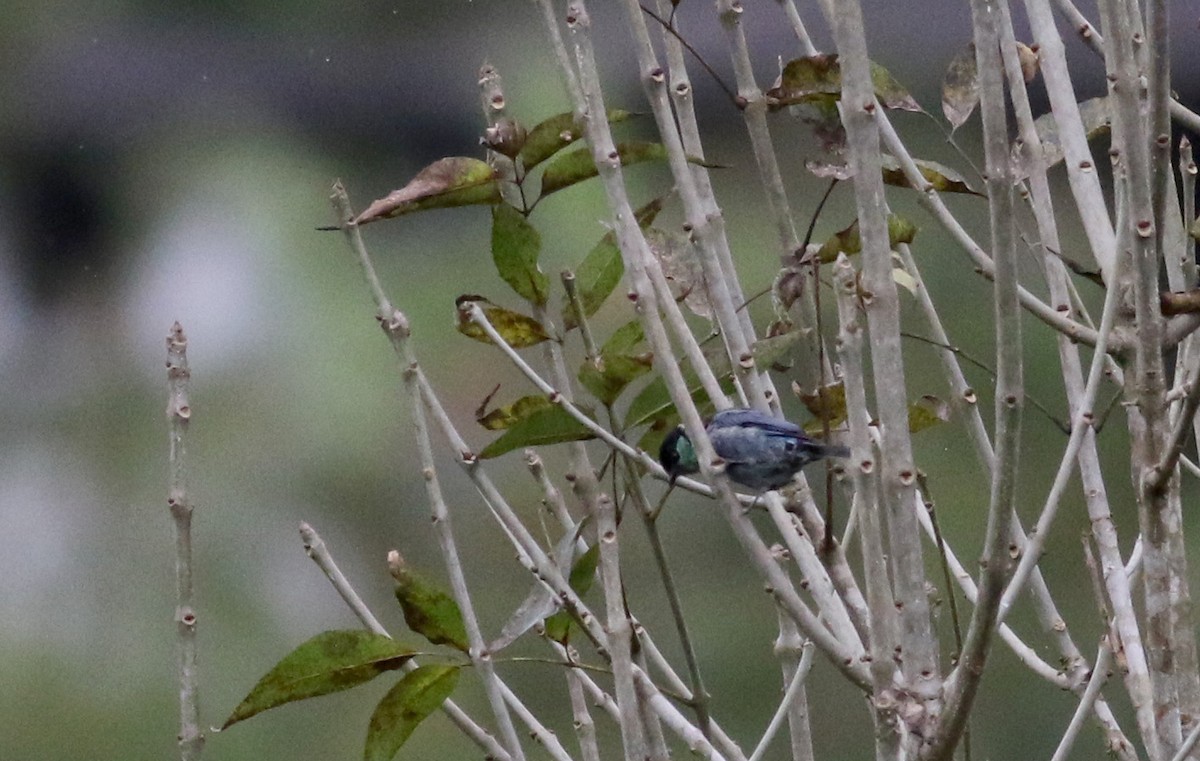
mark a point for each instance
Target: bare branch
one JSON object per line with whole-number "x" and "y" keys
{"x": 179, "y": 413}
{"x": 859, "y": 111}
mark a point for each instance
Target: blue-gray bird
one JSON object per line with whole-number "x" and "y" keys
{"x": 761, "y": 451}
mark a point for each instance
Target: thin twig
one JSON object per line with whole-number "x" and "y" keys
{"x": 1161, "y": 472}
{"x": 793, "y": 691}
{"x": 1140, "y": 231}
{"x": 1033, "y": 550}
{"x": 1091, "y": 37}
{"x": 1186, "y": 748}
{"x": 1059, "y": 424}
{"x": 700, "y": 697}
{"x": 792, "y": 651}
{"x": 670, "y": 29}
{"x": 585, "y": 327}
{"x": 179, "y": 413}
{"x": 1024, "y": 653}
{"x": 944, "y": 562}
{"x": 1086, "y": 703}
{"x": 318, "y": 552}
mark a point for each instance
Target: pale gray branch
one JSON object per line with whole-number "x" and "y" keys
{"x": 179, "y": 413}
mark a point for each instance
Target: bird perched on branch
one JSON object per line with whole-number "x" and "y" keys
{"x": 760, "y": 451}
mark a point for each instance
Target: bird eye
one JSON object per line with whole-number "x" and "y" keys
{"x": 790, "y": 446}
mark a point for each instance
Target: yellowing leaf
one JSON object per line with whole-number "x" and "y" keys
{"x": 681, "y": 267}
{"x": 518, "y": 330}
{"x": 506, "y": 416}
{"x": 455, "y": 181}
{"x": 615, "y": 373}
{"x": 552, "y": 425}
{"x": 941, "y": 177}
{"x": 849, "y": 240}
{"x": 1030, "y": 63}
{"x": 819, "y": 78}
{"x": 927, "y": 412}
{"x": 827, "y": 403}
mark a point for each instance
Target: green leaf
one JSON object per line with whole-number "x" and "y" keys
{"x": 601, "y": 270}
{"x": 595, "y": 280}
{"x": 900, "y": 230}
{"x": 663, "y": 418}
{"x": 547, "y": 426}
{"x": 616, "y": 371}
{"x": 770, "y": 351}
{"x": 890, "y": 92}
{"x": 428, "y": 611}
{"x": 421, "y": 692}
{"x": 518, "y": 330}
{"x": 927, "y": 412}
{"x": 654, "y": 401}
{"x": 329, "y": 662}
{"x": 818, "y": 79}
{"x": 576, "y": 166}
{"x": 556, "y": 133}
{"x": 583, "y": 574}
{"x": 515, "y": 249}
{"x": 625, "y": 338}
{"x": 455, "y": 181}
{"x": 510, "y": 414}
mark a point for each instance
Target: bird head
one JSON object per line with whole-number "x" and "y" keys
{"x": 677, "y": 455}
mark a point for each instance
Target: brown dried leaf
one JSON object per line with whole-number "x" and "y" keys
{"x": 1030, "y": 63}
{"x": 960, "y": 87}
{"x": 682, "y": 270}
{"x": 454, "y": 181}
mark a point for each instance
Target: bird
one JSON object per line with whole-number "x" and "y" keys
{"x": 761, "y": 452}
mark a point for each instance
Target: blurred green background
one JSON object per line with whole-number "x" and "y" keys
{"x": 170, "y": 162}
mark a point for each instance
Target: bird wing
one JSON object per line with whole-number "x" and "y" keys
{"x": 744, "y": 436}
{"x": 769, "y": 424}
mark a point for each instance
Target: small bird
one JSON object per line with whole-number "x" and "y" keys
{"x": 761, "y": 451}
